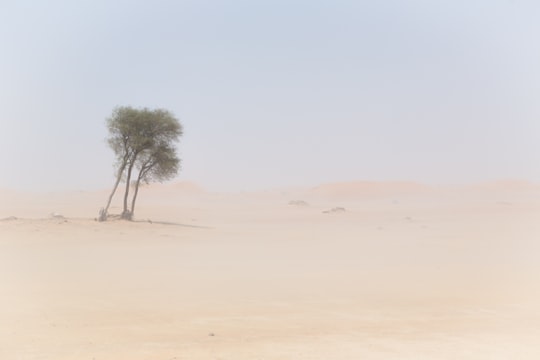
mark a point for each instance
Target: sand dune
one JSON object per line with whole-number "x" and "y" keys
{"x": 408, "y": 271}
{"x": 358, "y": 189}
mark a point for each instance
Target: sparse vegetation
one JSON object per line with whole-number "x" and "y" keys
{"x": 335, "y": 210}
{"x": 298, "y": 203}
{"x": 143, "y": 140}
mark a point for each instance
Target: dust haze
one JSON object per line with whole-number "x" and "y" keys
{"x": 341, "y": 196}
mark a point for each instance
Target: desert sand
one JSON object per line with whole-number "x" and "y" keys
{"x": 359, "y": 270}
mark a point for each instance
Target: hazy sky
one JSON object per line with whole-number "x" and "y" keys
{"x": 274, "y": 93}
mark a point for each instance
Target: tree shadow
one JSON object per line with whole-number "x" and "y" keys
{"x": 171, "y": 223}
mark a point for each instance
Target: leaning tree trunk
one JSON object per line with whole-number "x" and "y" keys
{"x": 126, "y": 214}
{"x": 103, "y": 213}
{"x": 142, "y": 173}
{"x": 135, "y": 192}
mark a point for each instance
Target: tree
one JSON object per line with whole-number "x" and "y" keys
{"x": 145, "y": 139}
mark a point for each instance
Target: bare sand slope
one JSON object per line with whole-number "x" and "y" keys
{"x": 412, "y": 272}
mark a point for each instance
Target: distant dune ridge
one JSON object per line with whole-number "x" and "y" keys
{"x": 505, "y": 185}
{"x": 184, "y": 187}
{"x": 357, "y": 189}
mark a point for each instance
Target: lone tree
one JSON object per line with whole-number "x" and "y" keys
{"x": 145, "y": 140}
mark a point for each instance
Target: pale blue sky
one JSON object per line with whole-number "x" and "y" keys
{"x": 274, "y": 93}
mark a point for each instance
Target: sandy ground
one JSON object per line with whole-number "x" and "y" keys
{"x": 405, "y": 272}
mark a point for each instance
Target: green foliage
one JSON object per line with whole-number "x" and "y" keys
{"x": 135, "y": 130}
{"x": 159, "y": 163}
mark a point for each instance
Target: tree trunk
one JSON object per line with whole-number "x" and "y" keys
{"x": 142, "y": 173}
{"x": 136, "y": 191}
{"x": 104, "y": 212}
{"x": 126, "y": 214}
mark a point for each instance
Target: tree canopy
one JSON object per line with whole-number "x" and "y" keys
{"x": 143, "y": 140}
